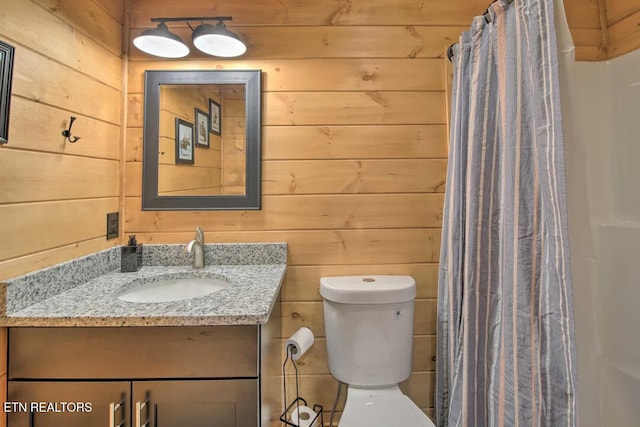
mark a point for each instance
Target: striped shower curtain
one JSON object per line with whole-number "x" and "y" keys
{"x": 506, "y": 352}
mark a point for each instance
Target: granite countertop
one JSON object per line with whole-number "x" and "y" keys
{"x": 84, "y": 292}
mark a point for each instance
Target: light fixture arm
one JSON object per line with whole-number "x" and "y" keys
{"x": 193, "y": 18}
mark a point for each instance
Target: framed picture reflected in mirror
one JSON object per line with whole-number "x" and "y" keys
{"x": 184, "y": 141}
{"x": 215, "y": 123}
{"x": 202, "y": 128}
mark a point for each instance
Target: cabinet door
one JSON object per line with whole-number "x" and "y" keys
{"x": 69, "y": 404}
{"x": 196, "y": 403}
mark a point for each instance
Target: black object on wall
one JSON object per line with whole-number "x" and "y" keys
{"x": 6, "y": 74}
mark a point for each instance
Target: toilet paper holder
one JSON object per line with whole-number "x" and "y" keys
{"x": 298, "y": 402}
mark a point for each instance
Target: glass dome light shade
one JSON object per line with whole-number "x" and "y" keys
{"x": 218, "y": 41}
{"x": 161, "y": 42}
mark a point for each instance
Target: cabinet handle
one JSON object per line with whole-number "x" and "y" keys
{"x": 113, "y": 407}
{"x": 139, "y": 407}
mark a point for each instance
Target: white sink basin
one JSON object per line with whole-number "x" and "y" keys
{"x": 168, "y": 290}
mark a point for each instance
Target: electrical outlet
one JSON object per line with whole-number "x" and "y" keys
{"x": 113, "y": 225}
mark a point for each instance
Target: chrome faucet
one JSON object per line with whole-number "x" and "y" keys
{"x": 196, "y": 247}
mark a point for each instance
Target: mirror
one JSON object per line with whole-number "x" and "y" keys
{"x": 198, "y": 156}
{"x": 201, "y": 140}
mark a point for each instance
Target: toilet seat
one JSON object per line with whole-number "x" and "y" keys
{"x": 381, "y": 407}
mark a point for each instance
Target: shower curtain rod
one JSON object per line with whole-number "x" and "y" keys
{"x": 487, "y": 18}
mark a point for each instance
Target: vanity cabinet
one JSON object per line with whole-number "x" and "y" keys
{"x": 153, "y": 376}
{"x": 75, "y": 395}
{"x": 171, "y": 403}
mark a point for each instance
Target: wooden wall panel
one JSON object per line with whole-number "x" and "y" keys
{"x": 626, "y": 27}
{"x": 301, "y": 12}
{"x": 54, "y": 195}
{"x": 582, "y": 13}
{"x": 233, "y": 141}
{"x": 115, "y": 8}
{"x": 354, "y": 176}
{"x": 619, "y": 30}
{"x": 296, "y": 29}
{"x": 60, "y": 177}
{"x": 623, "y": 20}
{"x": 352, "y": 108}
{"x": 104, "y": 25}
{"x": 617, "y": 10}
{"x": 81, "y": 50}
{"x": 308, "y": 212}
{"x": 339, "y": 74}
{"x": 100, "y": 139}
{"x": 584, "y": 22}
{"x": 336, "y": 42}
{"x": 354, "y": 142}
{"x": 353, "y": 146}
{"x": 30, "y": 227}
{"x": 44, "y": 80}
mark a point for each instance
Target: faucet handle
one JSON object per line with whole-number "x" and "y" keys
{"x": 199, "y": 235}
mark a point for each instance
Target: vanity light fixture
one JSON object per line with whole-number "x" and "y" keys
{"x": 215, "y": 40}
{"x": 161, "y": 42}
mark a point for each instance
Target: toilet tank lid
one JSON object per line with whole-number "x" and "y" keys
{"x": 368, "y": 289}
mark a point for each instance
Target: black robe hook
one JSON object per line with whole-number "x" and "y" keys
{"x": 67, "y": 133}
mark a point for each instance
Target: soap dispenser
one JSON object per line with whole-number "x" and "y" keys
{"x": 131, "y": 257}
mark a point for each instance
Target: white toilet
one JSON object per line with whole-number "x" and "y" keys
{"x": 369, "y": 329}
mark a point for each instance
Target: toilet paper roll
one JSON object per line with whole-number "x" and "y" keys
{"x": 303, "y": 416}
{"x": 299, "y": 342}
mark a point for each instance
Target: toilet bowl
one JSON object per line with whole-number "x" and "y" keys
{"x": 381, "y": 407}
{"x": 369, "y": 334}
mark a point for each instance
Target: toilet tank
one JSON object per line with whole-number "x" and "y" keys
{"x": 369, "y": 328}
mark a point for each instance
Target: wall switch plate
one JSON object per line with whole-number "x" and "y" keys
{"x": 113, "y": 225}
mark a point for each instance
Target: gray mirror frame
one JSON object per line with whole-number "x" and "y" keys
{"x": 150, "y": 162}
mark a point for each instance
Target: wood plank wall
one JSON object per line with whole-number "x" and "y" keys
{"x": 354, "y": 161}
{"x": 354, "y": 147}
{"x": 584, "y": 22}
{"x": 233, "y": 141}
{"x": 54, "y": 195}
{"x": 623, "y": 26}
